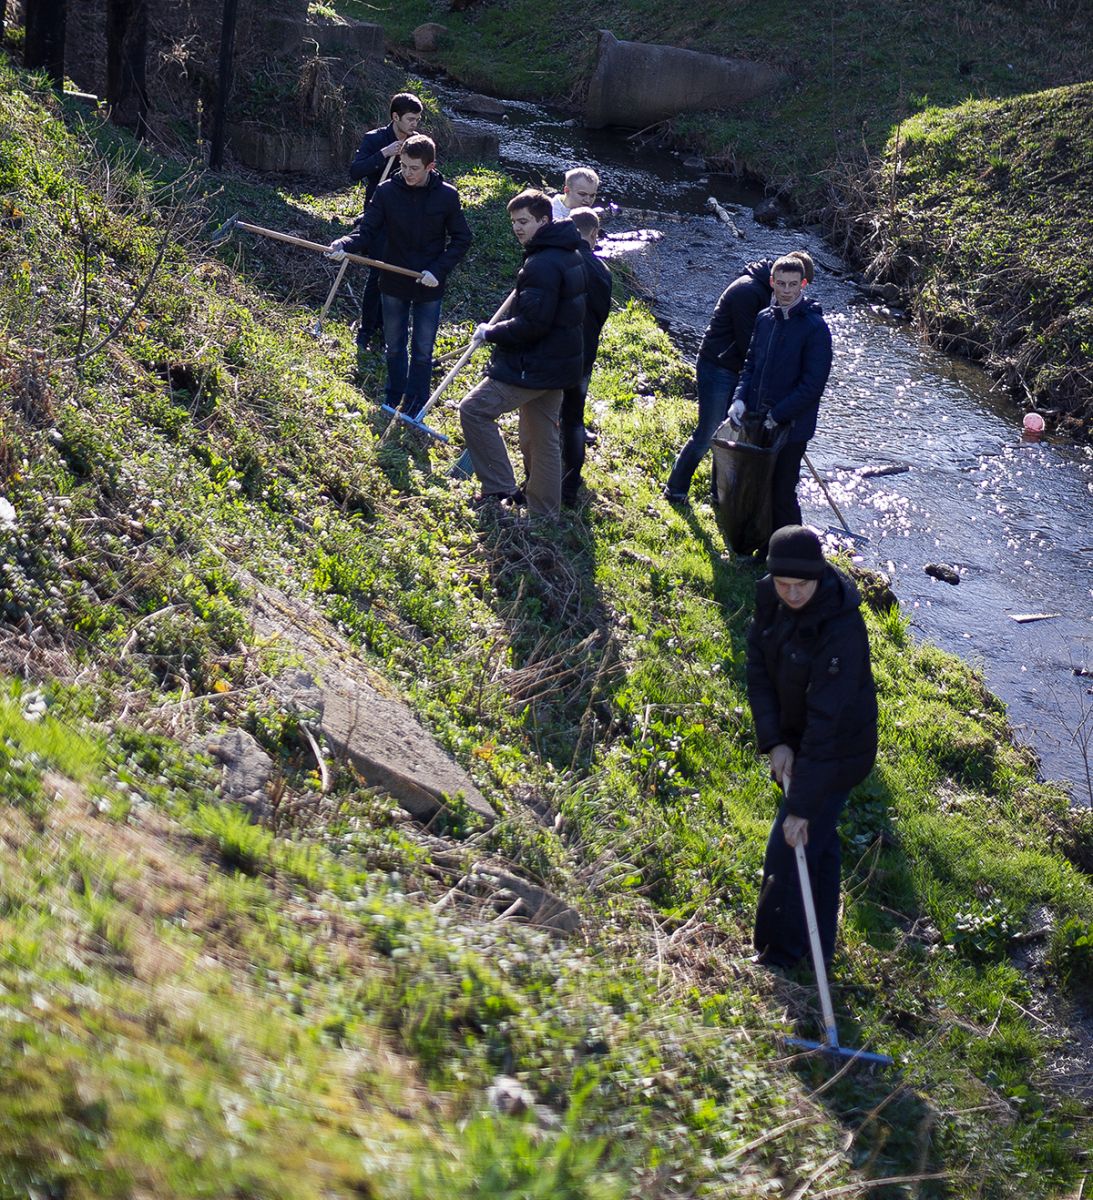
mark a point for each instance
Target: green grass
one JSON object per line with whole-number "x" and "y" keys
{"x": 194, "y": 1006}
{"x": 981, "y": 212}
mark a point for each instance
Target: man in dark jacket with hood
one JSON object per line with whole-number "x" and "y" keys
{"x": 597, "y": 308}
{"x": 720, "y": 360}
{"x": 377, "y": 159}
{"x": 420, "y": 219}
{"x": 784, "y": 376}
{"x": 810, "y": 686}
{"x": 538, "y": 351}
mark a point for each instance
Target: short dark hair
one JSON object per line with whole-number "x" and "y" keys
{"x": 421, "y": 147}
{"x": 405, "y": 102}
{"x": 791, "y": 263}
{"x": 586, "y": 220}
{"x": 536, "y": 202}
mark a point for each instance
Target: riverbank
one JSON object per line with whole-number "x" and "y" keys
{"x": 320, "y": 1005}
{"x": 981, "y": 213}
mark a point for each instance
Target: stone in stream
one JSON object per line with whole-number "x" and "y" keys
{"x": 944, "y": 572}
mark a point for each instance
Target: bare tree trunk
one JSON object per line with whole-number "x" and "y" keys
{"x": 126, "y": 51}
{"x": 223, "y": 83}
{"x": 44, "y": 49}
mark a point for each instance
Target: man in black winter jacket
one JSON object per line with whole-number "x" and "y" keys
{"x": 810, "y": 686}
{"x": 377, "y": 158}
{"x": 538, "y": 351}
{"x": 720, "y": 359}
{"x": 420, "y": 219}
{"x": 597, "y": 278}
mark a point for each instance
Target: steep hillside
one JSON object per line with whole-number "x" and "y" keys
{"x": 321, "y": 1005}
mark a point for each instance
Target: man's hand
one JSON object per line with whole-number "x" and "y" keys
{"x": 781, "y": 765}
{"x": 479, "y": 335}
{"x": 334, "y": 252}
{"x": 391, "y": 149}
{"x": 428, "y": 279}
{"x": 770, "y": 423}
{"x": 794, "y": 830}
{"x": 736, "y": 411}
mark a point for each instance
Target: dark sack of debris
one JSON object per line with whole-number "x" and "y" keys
{"x": 743, "y": 460}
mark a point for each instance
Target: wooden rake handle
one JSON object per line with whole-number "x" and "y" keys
{"x": 296, "y": 241}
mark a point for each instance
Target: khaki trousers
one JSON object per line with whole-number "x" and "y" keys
{"x": 540, "y": 441}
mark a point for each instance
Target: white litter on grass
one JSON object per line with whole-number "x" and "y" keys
{"x": 7, "y": 514}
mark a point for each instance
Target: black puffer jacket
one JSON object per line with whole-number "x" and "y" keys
{"x": 542, "y": 344}
{"x": 424, "y": 228}
{"x": 725, "y": 341}
{"x": 811, "y": 687}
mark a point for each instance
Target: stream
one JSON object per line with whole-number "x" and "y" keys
{"x": 919, "y": 453}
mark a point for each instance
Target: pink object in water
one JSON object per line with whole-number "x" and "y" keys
{"x": 1033, "y": 423}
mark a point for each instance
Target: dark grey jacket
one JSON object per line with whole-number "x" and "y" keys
{"x": 726, "y": 339}
{"x": 810, "y": 686}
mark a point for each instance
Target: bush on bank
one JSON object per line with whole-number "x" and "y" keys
{"x": 192, "y": 1005}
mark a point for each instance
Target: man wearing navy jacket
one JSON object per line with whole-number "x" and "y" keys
{"x": 420, "y": 219}
{"x": 784, "y": 376}
{"x": 378, "y": 147}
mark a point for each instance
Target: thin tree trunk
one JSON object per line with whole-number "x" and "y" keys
{"x": 223, "y": 83}
{"x": 44, "y": 48}
{"x": 126, "y": 54}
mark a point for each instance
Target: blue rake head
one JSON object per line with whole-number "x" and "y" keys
{"x": 413, "y": 422}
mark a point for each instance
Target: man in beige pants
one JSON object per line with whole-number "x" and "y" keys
{"x": 538, "y": 350}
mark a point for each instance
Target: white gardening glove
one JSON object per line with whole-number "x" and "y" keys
{"x": 479, "y": 335}
{"x": 736, "y": 411}
{"x": 428, "y": 279}
{"x": 334, "y": 252}
{"x": 770, "y": 423}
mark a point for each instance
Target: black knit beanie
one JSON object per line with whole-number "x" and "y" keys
{"x": 795, "y": 553}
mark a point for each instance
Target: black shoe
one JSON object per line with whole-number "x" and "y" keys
{"x": 679, "y": 499}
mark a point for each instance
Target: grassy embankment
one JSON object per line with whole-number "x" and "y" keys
{"x": 982, "y": 212}
{"x": 190, "y": 1005}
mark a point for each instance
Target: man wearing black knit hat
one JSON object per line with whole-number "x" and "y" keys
{"x": 814, "y": 704}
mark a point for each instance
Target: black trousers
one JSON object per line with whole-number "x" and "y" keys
{"x": 573, "y": 438}
{"x": 784, "y": 508}
{"x": 781, "y": 932}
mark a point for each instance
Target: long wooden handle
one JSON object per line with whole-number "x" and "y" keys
{"x": 295, "y": 241}
{"x": 334, "y": 289}
{"x": 387, "y": 168}
{"x": 461, "y": 361}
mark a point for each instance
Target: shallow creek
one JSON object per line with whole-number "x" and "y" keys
{"x": 1014, "y": 518}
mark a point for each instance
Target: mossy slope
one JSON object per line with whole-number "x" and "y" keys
{"x": 194, "y": 1006}
{"x": 983, "y": 213}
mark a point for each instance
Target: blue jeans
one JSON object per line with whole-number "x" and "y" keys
{"x": 715, "y": 388}
{"x": 409, "y": 377}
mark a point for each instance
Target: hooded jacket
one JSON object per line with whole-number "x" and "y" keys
{"x": 810, "y": 686}
{"x": 542, "y": 344}
{"x": 726, "y": 339}
{"x": 787, "y": 366}
{"x": 424, "y": 229}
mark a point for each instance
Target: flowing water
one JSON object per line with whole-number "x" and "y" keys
{"x": 918, "y": 453}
